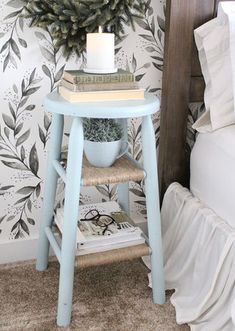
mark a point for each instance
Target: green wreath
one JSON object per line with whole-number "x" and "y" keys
{"x": 71, "y": 20}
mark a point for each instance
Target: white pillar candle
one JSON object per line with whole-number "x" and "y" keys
{"x": 100, "y": 52}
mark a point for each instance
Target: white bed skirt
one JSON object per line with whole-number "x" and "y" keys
{"x": 199, "y": 253}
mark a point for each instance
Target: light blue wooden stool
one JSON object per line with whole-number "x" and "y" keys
{"x": 121, "y": 110}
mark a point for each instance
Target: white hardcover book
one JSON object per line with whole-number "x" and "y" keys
{"x": 125, "y": 237}
{"x": 105, "y": 248}
{"x": 96, "y": 96}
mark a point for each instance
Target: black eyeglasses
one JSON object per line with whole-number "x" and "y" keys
{"x": 101, "y": 220}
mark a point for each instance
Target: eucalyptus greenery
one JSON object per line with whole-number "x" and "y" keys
{"x": 102, "y": 130}
{"x": 70, "y": 20}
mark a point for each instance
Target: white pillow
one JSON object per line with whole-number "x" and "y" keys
{"x": 226, "y": 14}
{"x": 213, "y": 42}
{"x": 200, "y": 34}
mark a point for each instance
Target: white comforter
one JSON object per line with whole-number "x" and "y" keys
{"x": 199, "y": 252}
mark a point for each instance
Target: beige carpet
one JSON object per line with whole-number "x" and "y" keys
{"x": 109, "y": 298}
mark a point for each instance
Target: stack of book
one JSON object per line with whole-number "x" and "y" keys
{"x": 91, "y": 237}
{"x": 78, "y": 86}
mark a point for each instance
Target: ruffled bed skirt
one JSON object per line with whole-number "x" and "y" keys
{"x": 199, "y": 254}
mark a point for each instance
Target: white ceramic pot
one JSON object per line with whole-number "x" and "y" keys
{"x": 104, "y": 154}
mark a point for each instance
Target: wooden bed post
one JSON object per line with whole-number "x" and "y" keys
{"x": 173, "y": 165}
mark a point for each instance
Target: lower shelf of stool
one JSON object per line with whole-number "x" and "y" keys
{"x": 99, "y": 258}
{"x": 112, "y": 256}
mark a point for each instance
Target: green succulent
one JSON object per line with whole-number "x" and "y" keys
{"x": 70, "y": 20}
{"x": 102, "y": 130}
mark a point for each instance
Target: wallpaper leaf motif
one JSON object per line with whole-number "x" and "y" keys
{"x": 13, "y": 153}
{"x": 10, "y": 50}
{"x": 52, "y": 70}
{"x": 155, "y": 40}
{"x": 33, "y": 160}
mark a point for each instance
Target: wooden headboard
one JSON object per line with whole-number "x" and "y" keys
{"x": 182, "y": 83}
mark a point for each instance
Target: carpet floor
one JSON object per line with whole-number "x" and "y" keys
{"x": 108, "y": 298}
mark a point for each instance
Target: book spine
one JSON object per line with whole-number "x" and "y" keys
{"x": 97, "y": 79}
{"x": 99, "y": 87}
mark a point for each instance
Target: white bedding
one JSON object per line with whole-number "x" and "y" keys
{"x": 199, "y": 256}
{"x": 199, "y": 262}
{"x": 213, "y": 171}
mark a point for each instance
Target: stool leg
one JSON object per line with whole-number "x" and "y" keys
{"x": 123, "y": 188}
{"x": 68, "y": 248}
{"x": 123, "y": 197}
{"x": 153, "y": 210}
{"x": 50, "y": 189}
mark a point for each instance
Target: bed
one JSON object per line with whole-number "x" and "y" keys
{"x": 198, "y": 187}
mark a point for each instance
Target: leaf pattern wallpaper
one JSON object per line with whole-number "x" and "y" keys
{"x": 31, "y": 67}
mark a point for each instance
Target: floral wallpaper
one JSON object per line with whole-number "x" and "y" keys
{"x": 31, "y": 67}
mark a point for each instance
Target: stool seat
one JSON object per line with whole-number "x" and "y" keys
{"x": 54, "y": 103}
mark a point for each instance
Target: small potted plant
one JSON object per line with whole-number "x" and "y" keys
{"x": 103, "y": 141}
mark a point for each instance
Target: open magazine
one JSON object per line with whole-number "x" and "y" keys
{"x": 103, "y": 226}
